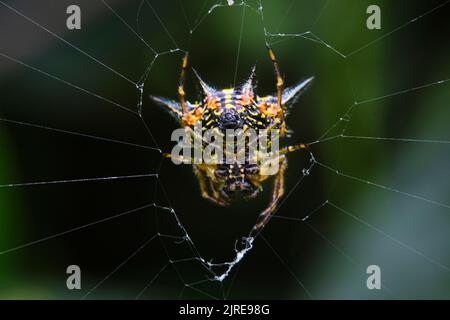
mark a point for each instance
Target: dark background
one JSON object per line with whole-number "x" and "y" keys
{"x": 406, "y": 236}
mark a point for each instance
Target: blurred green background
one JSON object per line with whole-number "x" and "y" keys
{"x": 406, "y": 236}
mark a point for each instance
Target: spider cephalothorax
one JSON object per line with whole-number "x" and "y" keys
{"x": 238, "y": 178}
{"x": 238, "y": 109}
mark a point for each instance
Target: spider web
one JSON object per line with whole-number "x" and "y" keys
{"x": 93, "y": 189}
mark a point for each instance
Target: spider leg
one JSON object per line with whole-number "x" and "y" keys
{"x": 277, "y": 193}
{"x": 216, "y": 194}
{"x": 173, "y": 107}
{"x": 295, "y": 147}
{"x": 280, "y": 81}
{"x": 181, "y": 93}
{"x": 204, "y": 190}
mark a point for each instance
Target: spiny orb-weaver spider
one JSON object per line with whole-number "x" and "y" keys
{"x": 238, "y": 108}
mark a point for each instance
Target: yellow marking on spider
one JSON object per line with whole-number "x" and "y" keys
{"x": 271, "y": 55}
{"x": 185, "y": 61}
{"x": 280, "y": 82}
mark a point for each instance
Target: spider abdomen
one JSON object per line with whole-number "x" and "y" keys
{"x": 232, "y": 109}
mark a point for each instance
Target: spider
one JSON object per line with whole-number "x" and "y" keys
{"x": 238, "y": 108}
